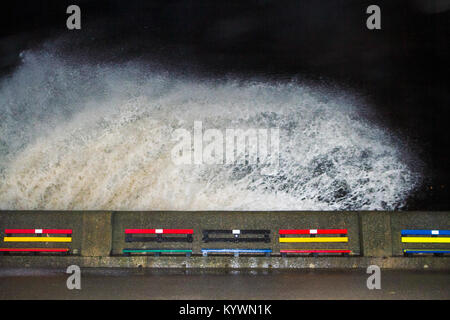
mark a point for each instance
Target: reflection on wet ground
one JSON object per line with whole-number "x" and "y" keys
{"x": 222, "y": 284}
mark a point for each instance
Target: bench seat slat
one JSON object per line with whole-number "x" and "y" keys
{"x": 34, "y": 249}
{"x": 316, "y": 251}
{"x": 38, "y": 231}
{"x": 37, "y": 239}
{"x": 238, "y": 250}
{"x": 164, "y": 231}
{"x": 425, "y": 251}
{"x": 316, "y": 239}
{"x": 424, "y": 232}
{"x": 130, "y": 238}
{"x": 265, "y": 239}
{"x": 426, "y": 239}
{"x": 241, "y": 231}
{"x": 315, "y": 231}
{"x": 156, "y": 250}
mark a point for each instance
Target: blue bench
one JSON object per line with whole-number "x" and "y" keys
{"x": 424, "y": 237}
{"x": 236, "y": 252}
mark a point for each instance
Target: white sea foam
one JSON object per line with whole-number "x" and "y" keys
{"x": 82, "y": 136}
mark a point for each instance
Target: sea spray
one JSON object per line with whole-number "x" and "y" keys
{"x": 83, "y": 136}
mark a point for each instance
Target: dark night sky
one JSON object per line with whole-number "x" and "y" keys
{"x": 403, "y": 68}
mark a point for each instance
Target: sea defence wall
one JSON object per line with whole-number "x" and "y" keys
{"x": 98, "y": 238}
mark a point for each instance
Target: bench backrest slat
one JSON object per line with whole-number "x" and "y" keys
{"x": 425, "y": 232}
{"x": 159, "y": 231}
{"x": 38, "y": 231}
{"x": 314, "y": 231}
{"x": 235, "y": 231}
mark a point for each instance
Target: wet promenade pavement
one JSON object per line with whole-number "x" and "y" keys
{"x": 222, "y": 284}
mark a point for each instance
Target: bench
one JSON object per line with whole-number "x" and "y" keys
{"x": 237, "y": 236}
{"x": 236, "y": 252}
{"x": 158, "y": 235}
{"x": 23, "y": 235}
{"x": 331, "y": 236}
{"x": 425, "y": 237}
{"x": 158, "y": 252}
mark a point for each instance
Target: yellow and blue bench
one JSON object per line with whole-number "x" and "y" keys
{"x": 158, "y": 235}
{"x": 236, "y": 236}
{"x": 310, "y": 236}
{"x": 39, "y": 235}
{"x": 425, "y": 237}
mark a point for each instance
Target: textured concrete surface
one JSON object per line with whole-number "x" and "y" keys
{"x": 97, "y": 231}
{"x": 376, "y": 237}
{"x": 222, "y": 284}
{"x": 413, "y": 263}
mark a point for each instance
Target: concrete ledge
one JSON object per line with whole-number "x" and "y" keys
{"x": 413, "y": 263}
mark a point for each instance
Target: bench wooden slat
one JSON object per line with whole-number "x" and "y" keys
{"x": 425, "y": 251}
{"x": 236, "y": 235}
{"x": 236, "y": 239}
{"x": 426, "y": 239}
{"x": 314, "y": 231}
{"x": 241, "y": 231}
{"x": 34, "y": 249}
{"x": 160, "y": 231}
{"x": 425, "y": 232}
{"x": 156, "y": 250}
{"x": 316, "y": 239}
{"x": 316, "y": 251}
{"x": 38, "y": 231}
{"x": 37, "y": 239}
{"x": 236, "y": 251}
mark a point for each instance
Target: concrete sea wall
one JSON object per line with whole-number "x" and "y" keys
{"x": 98, "y": 238}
